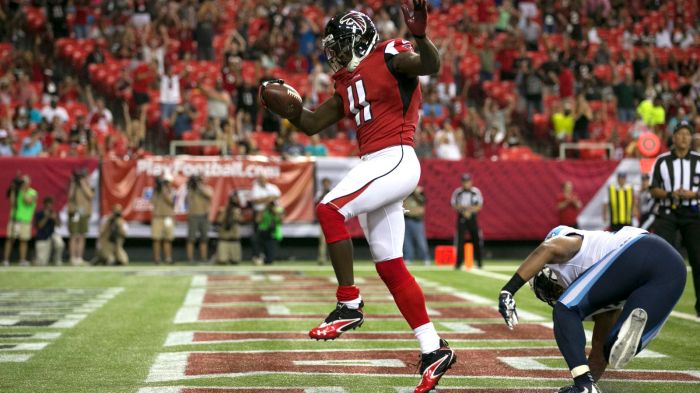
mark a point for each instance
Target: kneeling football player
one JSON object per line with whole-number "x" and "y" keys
{"x": 584, "y": 274}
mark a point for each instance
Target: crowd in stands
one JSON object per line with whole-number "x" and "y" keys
{"x": 123, "y": 78}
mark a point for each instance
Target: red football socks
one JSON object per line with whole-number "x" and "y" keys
{"x": 407, "y": 294}
{"x": 349, "y": 295}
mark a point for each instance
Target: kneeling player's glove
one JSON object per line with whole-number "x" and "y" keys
{"x": 506, "y": 306}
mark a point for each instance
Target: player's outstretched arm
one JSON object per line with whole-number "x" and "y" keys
{"x": 327, "y": 114}
{"x": 596, "y": 359}
{"x": 427, "y": 60}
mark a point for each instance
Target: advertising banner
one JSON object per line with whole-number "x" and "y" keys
{"x": 131, "y": 183}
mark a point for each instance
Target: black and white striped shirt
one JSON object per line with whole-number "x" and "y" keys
{"x": 462, "y": 198}
{"x": 672, "y": 173}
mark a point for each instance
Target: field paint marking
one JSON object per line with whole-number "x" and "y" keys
{"x": 476, "y": 299}
{"x": 189, "y": 312}
{"x": 25, "y": 347}
{"x": 4, "y": 358}
{"x": 168, "y": 389}
{"x": 447, "y": 389}
{"x": 178, "y": 389}
{"x": 533, "y": 364}
{"x": 8, "y": 322}
{"x": 686, "y": 316}
{"x": 34, "y": 336}
{"x": 271, "y": 298}
{"x": 461, "y": 327}
{"x": 278, "y": 309}
{"x": 373, "y": 375}
{"x": 168, "y": 367}
{"x": 358, "y": 280}
{"x": 396, "y": 318}
{"x": 199, "y": 280}
{"x": 179, "y": 338}
{"x": 352, "y": 362}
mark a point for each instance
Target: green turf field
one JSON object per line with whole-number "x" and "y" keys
{"x": 159, "y": 329}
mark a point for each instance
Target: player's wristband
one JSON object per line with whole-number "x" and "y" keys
{"x": 514, "y": 284}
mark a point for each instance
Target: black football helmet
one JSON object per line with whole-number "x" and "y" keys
{"x": 546, "y": 286}
{"x": 347, "y": 39}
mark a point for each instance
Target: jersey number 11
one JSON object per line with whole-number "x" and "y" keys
{"x": 362, "y": 110}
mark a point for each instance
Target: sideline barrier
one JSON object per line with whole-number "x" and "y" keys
{"x": 520, "y": 196}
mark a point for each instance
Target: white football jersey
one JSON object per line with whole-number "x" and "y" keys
{"x": 596, "y": 246}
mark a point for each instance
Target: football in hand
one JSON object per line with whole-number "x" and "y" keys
{"x": 281, "y": 99}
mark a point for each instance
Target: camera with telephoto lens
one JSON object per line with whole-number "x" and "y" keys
{"x": 79, "y": 174}
{"x": 16, "y": 183}
{"x": 114, "y": 230}
{"x": 193, "y": 182}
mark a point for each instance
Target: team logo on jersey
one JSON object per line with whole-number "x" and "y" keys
{"x": 355, "y": 21}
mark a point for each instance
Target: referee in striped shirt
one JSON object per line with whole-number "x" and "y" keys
{"x": 467, "y": 201}
{"x": 675, "y": 184}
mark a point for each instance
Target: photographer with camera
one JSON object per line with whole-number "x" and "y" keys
{"x": 198, "y": 201}
{"x": 163, "y": 219}
{"x": 270, "y": 230}
{"x": 47, "y": 238}
{"x": 22, "y": 205}
{"x": 229, "y": 220}
{"x": 110, "y": 244}
{"x": 80, "y": 195}
{"x": 261, "y": 195}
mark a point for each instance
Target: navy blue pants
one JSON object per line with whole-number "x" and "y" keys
{"x": 647, "y": 273}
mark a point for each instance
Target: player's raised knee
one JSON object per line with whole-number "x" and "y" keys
{"x": 332, "y": 223}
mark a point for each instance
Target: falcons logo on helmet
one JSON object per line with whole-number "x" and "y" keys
{"x": 355, "y": 21}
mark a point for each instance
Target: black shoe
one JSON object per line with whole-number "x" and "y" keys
{"x": 338, "y": 322}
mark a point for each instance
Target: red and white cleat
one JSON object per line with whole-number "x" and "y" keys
{"x": 433, "y": 366}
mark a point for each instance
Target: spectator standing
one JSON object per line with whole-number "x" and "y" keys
{"x": 568, "y": 205}
{"x": 56, "y": 13}
{"x": 620, "y": 204}
{"x": 646, "y": 203}
{"x": 218, "y": 101}
{"x": 624, "y": 94}
{"x": 47, "y": 239}
{"x": 205, "y": 30}
{"x": 563, "y": 123}
{"x": 182, "y": 119}
{"x": 22, "y": 205}
{"x": 100, "y": 116}
{"x": 80, "y": 196}
{"x": 270, "y": 230}
{"x": 229, "y": 220}
{"x": 5, "y": 147}
{"x": 110, "y": 243}
{"x": 169, "y": 93}
{"x": 261, "y": 195}
{"x": 199, "y": 196}
{"x": 163, "y": 219}
{"x": 677, "y": 192}
{"x": 415, "y": 240}
{"x": 448, "y": 143}
{"x": 467, "y": 201}
{"x": 583, "y": 115}
{"x": 652, "y": 112}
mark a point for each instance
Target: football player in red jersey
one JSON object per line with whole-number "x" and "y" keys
{"x": 377, "y": 85}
